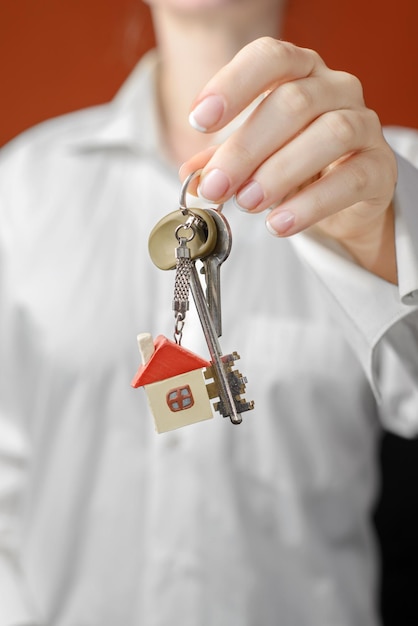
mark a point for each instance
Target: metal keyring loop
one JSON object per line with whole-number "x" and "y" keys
{"x": 182, "y": 202}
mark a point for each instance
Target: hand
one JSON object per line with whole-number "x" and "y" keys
{"x": 310, "y": 151}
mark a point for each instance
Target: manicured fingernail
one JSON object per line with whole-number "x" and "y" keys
{"x": 207, "y": 113}
{"x": 250, "y": 196}
{"x": 280, "y": 223}
{"x": 213, "y": 185}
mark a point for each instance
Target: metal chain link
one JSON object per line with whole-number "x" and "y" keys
{"x": 182, "y": 281}
{"x": 184, "y": 263}
{"x": 181, "y": 287}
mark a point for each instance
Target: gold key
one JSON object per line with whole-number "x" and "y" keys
{"x": 162, "y": 242}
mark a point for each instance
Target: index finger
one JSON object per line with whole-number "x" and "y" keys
{"x": 259, "y": 67}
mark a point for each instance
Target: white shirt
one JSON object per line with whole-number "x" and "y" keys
{"x": 102, "y": 521}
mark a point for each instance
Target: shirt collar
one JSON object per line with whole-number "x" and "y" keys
{"x": 130, "y": 120}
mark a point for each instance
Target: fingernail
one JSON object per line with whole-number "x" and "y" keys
{"x": 213, "y": 185}
{"x": 207, "y": 113}
{"x": 250, "y": 196}
{"x": 280, "y": 223}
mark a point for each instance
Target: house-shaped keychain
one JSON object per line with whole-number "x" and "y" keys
{"x": 173, "y": 378}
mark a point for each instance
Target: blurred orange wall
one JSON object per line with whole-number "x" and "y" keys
{"x": 60, "y": 55}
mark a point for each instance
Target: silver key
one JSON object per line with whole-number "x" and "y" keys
{"x": 228, "y": 383}
{"x": 212, "y": 266}
{"x": 221, "y": 380}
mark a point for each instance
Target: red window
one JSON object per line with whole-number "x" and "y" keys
{"x": 180, "y": 398}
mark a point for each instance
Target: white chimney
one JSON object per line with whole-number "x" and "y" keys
{"x": 146, "y": 346}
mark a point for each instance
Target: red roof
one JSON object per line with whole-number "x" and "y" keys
{"x": 169, "y": 359}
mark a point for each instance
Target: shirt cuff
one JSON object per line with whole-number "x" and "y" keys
{"x": 365, "y": 306}
{"x": 406, "y": 230}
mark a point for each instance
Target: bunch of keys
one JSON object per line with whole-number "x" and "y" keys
{"x": 174, "y": 377}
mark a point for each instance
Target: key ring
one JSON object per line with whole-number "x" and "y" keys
{"x": 182, "y": 201}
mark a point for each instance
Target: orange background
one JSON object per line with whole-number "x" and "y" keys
{"x": 60, "y": 55}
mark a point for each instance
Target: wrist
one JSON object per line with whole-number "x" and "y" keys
{"x": 374, "y": 248}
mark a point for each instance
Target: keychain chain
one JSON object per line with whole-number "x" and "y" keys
{"x": 184, "y": 262}
{"x": 182, "y": 278}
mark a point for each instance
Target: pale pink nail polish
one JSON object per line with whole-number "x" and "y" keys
{"x": 250, "y": 196}
{"x": 280, "y": 223}
{"x": 214, "y": 185}
{"x": 207, "y": 113}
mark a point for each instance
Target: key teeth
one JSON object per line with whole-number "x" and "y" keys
{"x": 237, "y": 384}
{"x": 212, "y": 390}
{"x": 208, "y": 373}
{"x": 229, "y": 359}
{"x": 241, "y": 405}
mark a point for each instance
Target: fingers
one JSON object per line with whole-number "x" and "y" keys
{"x": 333, "y": 138}
{"x": 275, "y": 121}
{"x": 300, "y": 89}
{"x": 327, "y": 140}
{"x": 258, "y": 67}
{"x": 308, "y": 149}
{"x": 355, "y": 182}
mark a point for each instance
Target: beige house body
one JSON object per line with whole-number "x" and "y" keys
{"x": 174, "y": 382}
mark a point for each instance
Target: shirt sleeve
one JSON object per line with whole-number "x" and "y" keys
{"x": 16, "y": 607}
{"x": 379, "y": 320}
